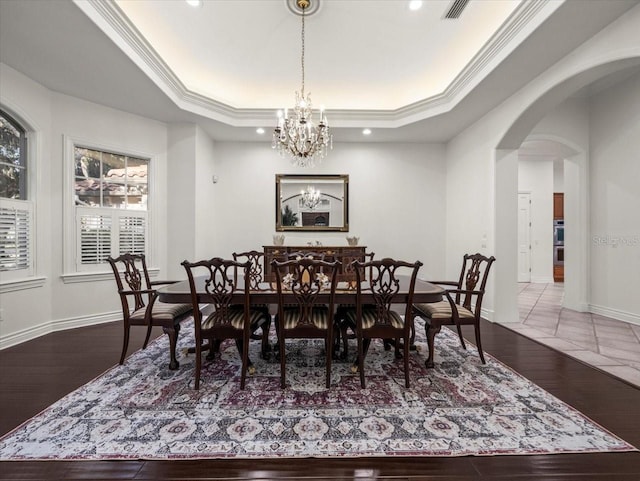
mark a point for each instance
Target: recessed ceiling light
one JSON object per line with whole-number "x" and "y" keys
{"x": 415, "y": 4}
{"x": 366, "y": 132}
{"x": 194, "y": 3}
{"x": 260, "y": 130}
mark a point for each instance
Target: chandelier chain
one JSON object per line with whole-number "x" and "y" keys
{"x": 297, "y": 134}
{"x": 302, "y": 55}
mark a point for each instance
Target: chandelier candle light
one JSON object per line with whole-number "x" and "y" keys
{"x": 310, "y": 197}
{"x": 297, "y": 135}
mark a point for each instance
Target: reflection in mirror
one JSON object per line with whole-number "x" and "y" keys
{"x": 312, "y": 202}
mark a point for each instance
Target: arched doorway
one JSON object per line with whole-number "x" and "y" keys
{"x": 506, "y": 170}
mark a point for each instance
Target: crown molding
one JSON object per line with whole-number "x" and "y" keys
{"x": 108, "y": 16}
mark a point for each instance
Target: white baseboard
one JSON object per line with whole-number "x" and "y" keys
{"x": 487, "y": 314}
{"x": 30, "y": 333}
{"x": 580, "y": 306}
{"x": 615, "y": 314}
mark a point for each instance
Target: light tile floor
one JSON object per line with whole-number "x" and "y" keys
{"x": 607, "y": 344}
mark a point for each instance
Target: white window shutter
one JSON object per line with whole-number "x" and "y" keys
{"x": 132, "y": 234}
{"x": 95, "y": 238}
{"x": 15, "y": 238}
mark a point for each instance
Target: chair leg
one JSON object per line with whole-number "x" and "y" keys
{"x": 344, "y": 333}
{"x": 243, "y": 350}
{"x": 266, "y": 348}
{"x": 198, "y": 363}
{"x": 478, "y": 341}
{"x": 146, "y": 339}
{"x": 406, "y": 361}
{"x": 214, "y": 348}
{"x": 172, "y": 332}
{"x": 283, "y": 382}
{"x": 363, "y": 348}
{"x": 464, "y": 346}
{"x": 125, "y": 342}
{"x": 328, "y": 343}
{"x": 412, "y": 340}
{"x": 397, "y": 353}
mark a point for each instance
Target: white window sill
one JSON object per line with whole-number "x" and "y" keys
{"x": 21, "y": 284}
{"x": 77, "y": 277}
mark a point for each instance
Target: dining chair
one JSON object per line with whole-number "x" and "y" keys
{"x": 257, "y": 283}
{"x": 378, "y": 317}
{"x": 140, "y": 306}
{"x": 341, "y": 322}
{"x": 222, "y": 317}
{"x": 463, "y": 303}
{"x": 303, "y": 309}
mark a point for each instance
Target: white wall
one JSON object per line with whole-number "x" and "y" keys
{"x": 181, "y": 205}
{"x": 615, "y": 201}
{"x": 56, "y": 305}
{"x": 396, "y": 199}
{"x": 206, "y": 207}
{"x": 94, "y": 124}
{"x": 30, "y": 103}
{"x": 470, "y": 203}
{"x": 558, "y": 175}
{"x": 191, "y": 205}
{"x": 480, "y": 168}
{"x": 536, "y": 177}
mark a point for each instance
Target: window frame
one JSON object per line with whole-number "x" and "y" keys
{"x": 28, "y": 278}
{"x": 74, "y": 271}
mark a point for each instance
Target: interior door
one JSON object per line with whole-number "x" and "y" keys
{"x": 524, "y": 237}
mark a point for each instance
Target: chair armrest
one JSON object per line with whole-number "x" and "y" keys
{"x": 444, "y": 283}
{"x": 158, "y": 283}
{"x": 464, "y": 291}
{"x": 132, "y": 293}
{"x": 455, "y": 317}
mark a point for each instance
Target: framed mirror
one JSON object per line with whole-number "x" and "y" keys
{"x": 312, "y": 203}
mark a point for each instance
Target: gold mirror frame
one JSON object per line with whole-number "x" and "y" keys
{"x": 330, "y": 215}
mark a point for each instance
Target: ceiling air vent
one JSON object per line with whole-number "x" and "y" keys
{"x": 456, "y": 8}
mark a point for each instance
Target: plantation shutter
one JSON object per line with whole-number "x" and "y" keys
{"x": 132, "y": 235}
{"x": 15, "y": 238}
{"x": 95, "y": 238}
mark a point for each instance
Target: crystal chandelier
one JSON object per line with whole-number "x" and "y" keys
{"x": 310, "y": 197}
{"x": 297, "y": 135}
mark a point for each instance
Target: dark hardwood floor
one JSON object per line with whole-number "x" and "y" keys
{"x": 35, "y": 374}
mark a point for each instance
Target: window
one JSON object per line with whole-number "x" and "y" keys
{"x": 16, "y": 211}
{"x": 110, "y": 194}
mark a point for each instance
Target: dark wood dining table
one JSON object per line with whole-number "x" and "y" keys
{"x": 180, "y": 292}
{"x": 345, "y": 293}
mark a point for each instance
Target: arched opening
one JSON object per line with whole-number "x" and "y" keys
{"x": 576, "y": 163}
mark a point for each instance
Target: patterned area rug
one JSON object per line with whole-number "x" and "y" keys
{"x": 141, "y": 410}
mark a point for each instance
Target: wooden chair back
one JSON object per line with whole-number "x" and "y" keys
{"x": 379, "y": 279}
{"x": 131, "y": 270}
{"x": 473, "y": 280}
{"x": 256, "y": 271}
{"x": 220, "y": 283}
